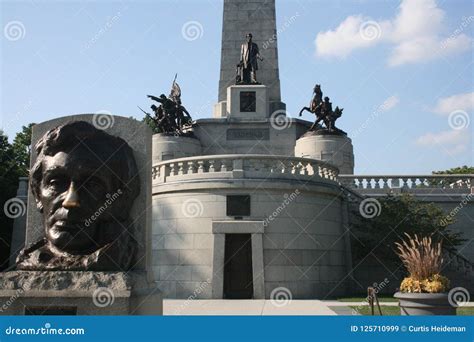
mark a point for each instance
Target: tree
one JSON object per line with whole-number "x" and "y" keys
{"x": 22, "y": 149}
{"x": 398, "y": 215}
{"x": 14, "y": 163}
{"x": 456, "y": 170}
{"x": 151, "y": 123}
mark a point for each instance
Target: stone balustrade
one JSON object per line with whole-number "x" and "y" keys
{"x": 242, "y": 166}
{"x": 461, "y": 183}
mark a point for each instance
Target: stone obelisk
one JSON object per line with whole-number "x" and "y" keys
{"x": 256, "y": 17}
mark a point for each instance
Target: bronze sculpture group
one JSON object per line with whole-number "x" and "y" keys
{"x": 170, "y": 116}
{"x": 323, "y": 111}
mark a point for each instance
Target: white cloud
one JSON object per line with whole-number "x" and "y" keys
{"x": 389, "y": 103}
{"x": 344, "y": 39}
{"x": 414, "y": 34}
{"x": 454, "y": 141}
{"x": 447, "y": 105}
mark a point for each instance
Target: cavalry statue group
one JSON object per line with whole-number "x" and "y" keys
{"x": 322, "y": 110}
{"x": 171, "y": 117}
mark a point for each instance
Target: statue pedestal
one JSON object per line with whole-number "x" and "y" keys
{"x": 335, "y": 149}
{"x": 244, "y": 102}
{"x": 78, "y": 293}
{"x": 166, "y": 147}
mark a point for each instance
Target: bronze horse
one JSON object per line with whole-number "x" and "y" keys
{"x": 322, "y": 110}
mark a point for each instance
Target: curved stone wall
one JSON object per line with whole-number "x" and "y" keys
{"x": 296, "y": 228}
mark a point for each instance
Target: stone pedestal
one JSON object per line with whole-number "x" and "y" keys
{"x": 244, "y": 102}
{"x": 78, "y": 293}
{"x": 166, "y": 147}
{"x": 336, "y": 149}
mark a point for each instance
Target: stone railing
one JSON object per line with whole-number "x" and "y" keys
{"x": 461, "y": 183}
{"x": 242, "y": 166}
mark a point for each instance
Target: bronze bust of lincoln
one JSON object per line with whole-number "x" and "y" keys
{"x": 84, "y": 182}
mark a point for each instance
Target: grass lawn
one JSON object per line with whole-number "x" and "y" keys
{"x": 395, "y": 310}
{"x": 363, "y": 299}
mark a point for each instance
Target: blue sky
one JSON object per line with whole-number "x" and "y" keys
{"x": 402, "y": 71}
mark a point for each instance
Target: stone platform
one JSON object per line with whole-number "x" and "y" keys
{"x": 78, "y": 293}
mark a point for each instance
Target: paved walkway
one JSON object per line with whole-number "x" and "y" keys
{"x": 245, "y": 307}
{"x": 260, "y": 307}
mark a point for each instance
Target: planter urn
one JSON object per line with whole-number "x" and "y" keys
{"x": 415, "y": 304}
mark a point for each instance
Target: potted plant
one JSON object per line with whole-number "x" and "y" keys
{"x": 424, "y": 291}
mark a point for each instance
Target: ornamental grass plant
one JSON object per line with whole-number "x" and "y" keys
{"x": 423, "y": 259}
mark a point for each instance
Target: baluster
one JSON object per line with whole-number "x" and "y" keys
{"x": 404, "y": 183}
{"x": 314, "y": 169}
{"x": 297, "y": 168}
{"x": 180, "y": 168}
{"x": 305, "y": 166}
{"x": 191, "y": 167}
{"x": 172, "y": 169}
{"x": 211, "y": 166}
{"x": 224, "y": 165}
{"x": 384, "y": 183}
{"x": 201, "y": 166}
{"x": 377, "y": 183}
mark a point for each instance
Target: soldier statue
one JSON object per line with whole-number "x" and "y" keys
{"x": 170, "y": 116}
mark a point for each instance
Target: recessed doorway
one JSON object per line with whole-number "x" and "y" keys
{"x": 238, "y": 273}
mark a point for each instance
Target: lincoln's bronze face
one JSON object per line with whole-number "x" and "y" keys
{"x": 73, "y": 187}
{"x": 84, "y": 182}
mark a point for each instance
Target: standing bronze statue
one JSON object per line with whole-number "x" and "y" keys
{"x": 248, "y": 65}
{"x": 323, "y": 111}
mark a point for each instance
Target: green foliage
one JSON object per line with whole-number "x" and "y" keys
{"x": 14, "y": 163}
{"x": 456, "y": 170}
{"x": 151, "y": 123}
{"x": 398, "y": 215}
{"x": 21, "y": 149}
